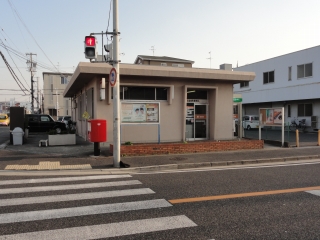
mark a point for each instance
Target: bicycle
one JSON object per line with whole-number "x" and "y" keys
{"x": 294, "y": 126}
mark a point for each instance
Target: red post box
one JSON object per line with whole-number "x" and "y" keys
{"x": 97, "y": 130}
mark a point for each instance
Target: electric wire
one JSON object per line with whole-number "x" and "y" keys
{"x": 14, "y": 75}
{"x": 21, "y": 20}
{"x": 15, "y": 65}
{"x": 15, "y": 17}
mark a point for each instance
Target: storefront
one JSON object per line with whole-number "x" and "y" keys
{"x": 158, "y": 104}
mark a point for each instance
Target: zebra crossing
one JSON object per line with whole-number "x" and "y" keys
{"x": 105, "y": 189}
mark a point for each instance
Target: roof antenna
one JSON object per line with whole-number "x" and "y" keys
{"x": 152, "y": 49}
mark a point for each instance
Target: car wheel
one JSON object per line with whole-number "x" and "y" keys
{"x": 58, "y": 130}
{"x": 248, "y": 127}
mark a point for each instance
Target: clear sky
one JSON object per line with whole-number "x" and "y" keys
{"x": 233, "y": 31}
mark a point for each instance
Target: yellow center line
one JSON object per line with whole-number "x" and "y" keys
{"x": 241, "y": 195}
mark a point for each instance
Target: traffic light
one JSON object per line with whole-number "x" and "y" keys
{"x": 90, "y": 47}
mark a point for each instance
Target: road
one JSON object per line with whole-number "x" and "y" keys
{"x": 4, "y": 134}
{"x": 252, "y": 202}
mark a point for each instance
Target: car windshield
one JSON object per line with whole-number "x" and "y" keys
{"x": 3, "y": 117}
{"x": 60, "y": 118}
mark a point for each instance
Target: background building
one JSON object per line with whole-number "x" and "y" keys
{"x": 290, "y": 81}
{"x": 54, "y": 85}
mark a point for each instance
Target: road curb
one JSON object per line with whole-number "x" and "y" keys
{"x": 165, "y": 167}
{"x": 4, "y": 145}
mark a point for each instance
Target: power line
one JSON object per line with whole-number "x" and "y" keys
{"x": 13, "y": 74}
{"x": 16, "y": 65}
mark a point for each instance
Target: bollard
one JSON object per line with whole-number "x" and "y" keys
{"x": 297, "y": 137}
{"x": 318, "y": 137}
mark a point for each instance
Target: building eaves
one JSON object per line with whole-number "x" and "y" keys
{"x": 85, "y": 72}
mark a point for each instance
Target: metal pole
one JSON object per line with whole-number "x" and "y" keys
{"x": 282, "y": 132}
{"x": 116, "y": 88}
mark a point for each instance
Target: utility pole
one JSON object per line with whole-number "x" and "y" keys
{"x": 37, "y": 94}
{"x": 32, "y": 68}
{"x": 210, "y": 58}
{"x": 152, "y": 49}
{"x": 116, "y": 88}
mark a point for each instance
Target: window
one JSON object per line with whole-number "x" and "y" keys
{"x": 268, "y": 77}
{"x": 163, "y": 64}
{"x": 304, "y": 110}
{"x": 289, "y": 110}
{"x": 178, "y": 65}
{"x": 64, "y": 80}
{"x": 244, "y": 84}
{"x": 289, "y": 73}
{"x": 197, "y": 94}
{"x": 44, "y": 119}
{"x": 143, "y": 93}
{"x": 304, "y": 70}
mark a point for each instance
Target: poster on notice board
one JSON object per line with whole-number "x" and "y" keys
{"x": 140, "y": 112}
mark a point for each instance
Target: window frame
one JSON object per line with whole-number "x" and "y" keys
{"x": 63, "y": 80}
{"x": 124, "y": 97}
{"x": 289, "y": 110}
{"x": 299, "y": 75}
{"x": 306, "y": 112}
{"x": 268, "y": 81}
{"x": 244, "y": 84}
{"x": 290, "y": 73}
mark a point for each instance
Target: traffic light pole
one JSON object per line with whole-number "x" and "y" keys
{"x": 116, "y": 88}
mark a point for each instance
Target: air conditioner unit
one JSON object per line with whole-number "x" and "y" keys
{"x": 314, "y": 119}
{"x": 314, "y": 125}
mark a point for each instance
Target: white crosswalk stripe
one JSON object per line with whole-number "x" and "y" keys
{"x": 73, "y": 197}
{"x": 68, "y": 187}
{"x": 102, "y": 192}
{"x": 108, "y": 230}
{"x": 315, "y": 192}
{"x": 63, "y": 179}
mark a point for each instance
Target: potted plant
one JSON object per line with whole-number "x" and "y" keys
{"x": 64, "y": 138}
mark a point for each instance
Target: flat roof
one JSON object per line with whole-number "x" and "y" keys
{"x": 86, "y": 71}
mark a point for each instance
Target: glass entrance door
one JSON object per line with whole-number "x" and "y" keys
{"x": 197, "y": 122}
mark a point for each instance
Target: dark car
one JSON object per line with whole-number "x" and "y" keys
{"x": 43, "y": 123}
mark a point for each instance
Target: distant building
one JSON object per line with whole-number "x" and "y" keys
{"x": 163, "y": 61}
{"x": 290, "y": 81}
{"x": 54, "y": 85}
{"x": 5, "y": 107}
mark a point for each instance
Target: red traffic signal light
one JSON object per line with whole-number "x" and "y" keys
{"x": 90, "y": 41}
{"x": 90, "y": 47}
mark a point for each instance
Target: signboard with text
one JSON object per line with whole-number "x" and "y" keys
{"x": 140, "y": 113}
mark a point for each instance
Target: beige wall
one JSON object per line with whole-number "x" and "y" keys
{"x": 50, "y": 99}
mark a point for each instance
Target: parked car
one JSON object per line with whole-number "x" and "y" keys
{"x": 250, "y": 121}
{"x": 43, "y": 123}
{"x": 4, "y": 120}
{"x": 64, "y": 119}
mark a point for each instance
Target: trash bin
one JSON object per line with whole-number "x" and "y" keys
{"x": 17, "y": 135}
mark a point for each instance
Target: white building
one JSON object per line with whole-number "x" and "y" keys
{"x": 291, "y": 81}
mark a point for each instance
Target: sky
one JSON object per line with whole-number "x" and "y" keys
{"x": 234, "y": 31}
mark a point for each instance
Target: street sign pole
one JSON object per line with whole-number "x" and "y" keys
{"x": 116, "y": 88}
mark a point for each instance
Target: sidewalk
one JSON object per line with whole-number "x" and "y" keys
{"x": 80, "y": 157}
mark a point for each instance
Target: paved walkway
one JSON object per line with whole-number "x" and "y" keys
{"x": 80, "y": 156}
